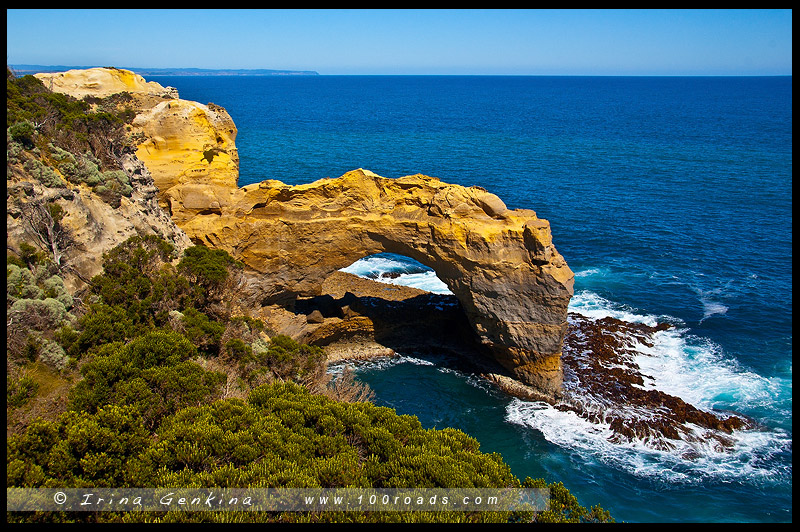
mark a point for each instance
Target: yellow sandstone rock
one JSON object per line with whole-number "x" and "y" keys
{"x": 500, "y": 263}
{"x": 188, "y": 142}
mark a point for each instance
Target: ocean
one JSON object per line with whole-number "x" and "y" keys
{"x": 669, "y": 197}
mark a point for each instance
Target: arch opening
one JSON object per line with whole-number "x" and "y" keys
{"x": 396, "y": 269}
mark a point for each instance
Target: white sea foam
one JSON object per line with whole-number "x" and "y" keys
{"x": 686, "y": 366}
{"x": 711, "y": 308}
{"x": 594, "y": 306}
{"x": 427, "y": 281}
{"x": 587, "y": 273}
{"x": 689, "y": 461}
{"x": 375, "y": 265}
{"x": 379, "y": 363}
{"x": 405, "y": 271}
{"x": 710, "y": 299}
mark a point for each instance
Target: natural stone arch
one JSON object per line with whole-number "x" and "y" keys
{"x": 500, "y": 264}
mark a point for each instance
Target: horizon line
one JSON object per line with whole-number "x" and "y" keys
{"x": 58, "y": 68}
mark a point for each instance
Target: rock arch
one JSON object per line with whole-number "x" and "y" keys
{"x": 501, "y": 264}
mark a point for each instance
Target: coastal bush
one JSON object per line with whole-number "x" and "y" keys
{"x": 281, "y": 436}
{"x": 137, "y": 276}
{"x": 78, "y": 450}
{"x": 23, "y": 132}
{"x": 85, "y": 169}
{"x": 205, "y": 333}
{"x": 216, "y": 273}
{"x": 564, "y": 506}
{"x": 43, "y": 173}
{"x": 284, "y": 359}
{"x": 19, "y": 391}
{"x": 55, "y": 123}
{"x": 33, "y": 314}
{"x": 153, "y": 373}
{"x": 32, "y": 257}
{"x": 52, "y": 354}
{"x": 39, "y": 314}
{"x": 21, "y": 283}
{"x": 53, "y": 287}
{"x": 102, "y": 324}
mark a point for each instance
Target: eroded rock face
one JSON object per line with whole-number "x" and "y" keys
{"x": 188, "y": 143}
{"x": 93, "y": 225}
{"x": 184, "y": 141}
{"x": 501, "y": 264}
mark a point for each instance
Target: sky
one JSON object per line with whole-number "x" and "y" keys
{"x": 411, "y": 42}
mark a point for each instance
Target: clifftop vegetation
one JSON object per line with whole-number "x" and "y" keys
{"x": 57, "y": 138}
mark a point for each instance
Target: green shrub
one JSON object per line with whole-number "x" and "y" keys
{"x": 137, "y": 276}
{"x": 237, "y": 349}
{"x": 20, "y": 391}
{"x": 32, "y": 256}
{"x": 54, "y": 287}
{"x": 78, "y": 450}
{"x": 102, "y": 324}
{"x": 52, "y": 354}
{"x": 22, "y": 132}
{"x": 21, "y": 283}
{"x": 205, "y": 333}
{"x": 43, "y": 173}
{"x": 152, "y": 372}
{"x": 39, "y": 314}
{"x": 206, "y": 266}
{"x": 282, "y": 436}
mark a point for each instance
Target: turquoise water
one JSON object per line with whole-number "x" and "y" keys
{"x": 670, "y": 198}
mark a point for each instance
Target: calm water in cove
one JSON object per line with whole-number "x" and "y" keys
{"x": 670, "y": 198}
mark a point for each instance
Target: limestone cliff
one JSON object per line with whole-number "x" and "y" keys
{"x": 500, "y": 263}
{"x": 99, "y": 204}
{"x": 92, "y": 225}
{"x": 184, "y": 141}
{"x": 187, "y": 142}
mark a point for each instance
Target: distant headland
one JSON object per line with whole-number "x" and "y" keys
{"x": 36, "y": 69}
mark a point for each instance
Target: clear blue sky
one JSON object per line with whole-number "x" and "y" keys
{"x": 483, "y": 42}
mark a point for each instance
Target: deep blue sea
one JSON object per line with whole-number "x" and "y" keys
{"x": 669, "y": 197}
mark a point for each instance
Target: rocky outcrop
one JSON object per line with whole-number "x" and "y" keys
{"x": 91, "y": 226}
{"x": 605, "y": 385}
{"x": 182, "y": 141}
{"x": 188, "y": 143}
{"x": 501, "y": 264}
{"x": 102, "y": 82}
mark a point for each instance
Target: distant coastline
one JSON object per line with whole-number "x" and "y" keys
{"x": 35, "y": 69}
